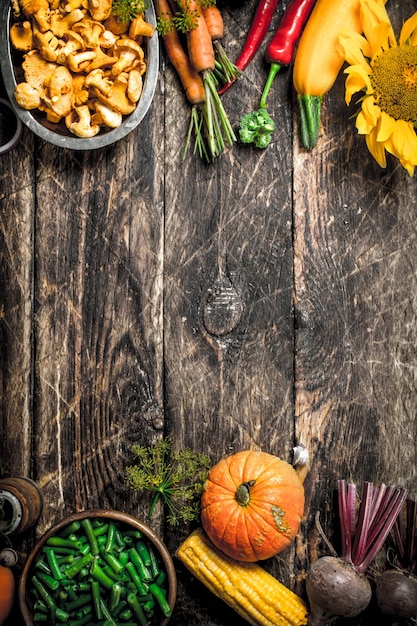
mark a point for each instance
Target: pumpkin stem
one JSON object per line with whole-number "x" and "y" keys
{"x": 243, "y": 493}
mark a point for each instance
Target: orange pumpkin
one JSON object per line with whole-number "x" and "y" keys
{"x": 252, "y": 505}
{"x": 7, "y": 589}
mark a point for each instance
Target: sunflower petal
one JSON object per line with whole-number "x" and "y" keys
{"x": 373, "y": 14}
{"x": 371, "y": 111}
{"x": 403, "y": 145}
{"x": 408, "y": 29}
{"x": 376, "y": 148}
{"x": 386, "y": 126}
{"x": 357, "y": 80}
{"x": 355, "y": 48}
{"x": 362, "y": 124}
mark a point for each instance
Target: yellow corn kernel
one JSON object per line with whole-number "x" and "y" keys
{"x": 249, "y": 589}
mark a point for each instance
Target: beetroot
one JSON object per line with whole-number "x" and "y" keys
{"x": 336, "y": 586}
{"x": 335, "y": 589}
{"x": 396, "y": 589}
{"x": 396, "y": 594}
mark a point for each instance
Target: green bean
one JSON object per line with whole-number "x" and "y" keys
{"x": 63, "y": 550}
{"x": 53, "y": 563}
{"x": 127, "y": 614}
{"x": 92, "y": 539}
{"x": 133, "y": 602}
{"x": 48, "y": 580}
{"x": 115, "y": 596}
{"x": 43, "y": 567}
{"x": 86, "y": 619}
{"x": 62, "y": 542}
{"x": 114, "y": 563}
{"x": 149, "y": 605}
{"x": 106, "y": 614}
{"x": 109, "y": 547}
{"x": 118, "y": 539}
{"x": 71, "y": 528}
{"x": 141, "y": 568}
{"x": 101, "y": 530}
{"x": 155, "y": 569}
{"x": 60, "y": 614}
{"x": 144, "y": 553}
{"x": 79, "y": 602}
{"x": 78, "y": 565}
{"x": 136, "y": 534}
{"x": 40, "y": 606}
{"x": 97, "y": 572}
{"x": 65, "y": 560}
{"x": 40, "y": 617}
{"x": 119, "y": 608}
{"x": 160, "y": 597}
{"x": 43, "y": 592}
{"x": 136, "y": 579}
{"x": 160, "y": 579}
{"x": 95, "y": 588}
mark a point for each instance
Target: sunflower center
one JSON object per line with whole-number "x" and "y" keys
{"x": 394, "y": 80}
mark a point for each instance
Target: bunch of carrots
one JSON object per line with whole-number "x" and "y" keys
{"x": 192, "y": 31}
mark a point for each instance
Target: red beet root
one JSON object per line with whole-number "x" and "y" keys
{"x": 335, "y": 589}
{"x": 396, "y": 594}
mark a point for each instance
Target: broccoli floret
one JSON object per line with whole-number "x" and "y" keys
{"x": 256, "y": 127}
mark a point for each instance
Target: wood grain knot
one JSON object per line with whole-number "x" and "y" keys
{"x": 222, "y": 309}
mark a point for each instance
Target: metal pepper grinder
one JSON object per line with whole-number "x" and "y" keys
{"x": 21, "y": 504}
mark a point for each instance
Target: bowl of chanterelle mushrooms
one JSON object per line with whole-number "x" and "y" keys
{"x": 81, "y": 74}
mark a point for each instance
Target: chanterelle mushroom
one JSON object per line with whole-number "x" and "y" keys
{"x": 27, "y": 96}
{"x": 107, "y": 116}
{"x": 78, "y": 122}
{"x": 60, "y": 25}
{"x": 36, "y": 69}
{"x": 47, "y": 44}
{"x": 130, "y": 55}
{"x": 39, "y": 10}
{"x": 100, "y": 9}
{"x": 97, "y": 79}
{"x": 117, "y": 99}
{"x": 74, "y": 43}
{"x": 139, "y": 28}
{"x": 134, "y": 85}
{"x": 21, "y": 36}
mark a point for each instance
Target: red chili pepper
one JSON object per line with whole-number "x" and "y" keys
{"x": 280, "y": 50}
{"x": 259, "y": 27}
{"x": 257, "y": 127}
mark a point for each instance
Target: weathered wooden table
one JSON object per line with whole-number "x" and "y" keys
{"x": 264, "y": 300}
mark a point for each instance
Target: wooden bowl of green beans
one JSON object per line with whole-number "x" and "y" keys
{"x": 98, "y": 567}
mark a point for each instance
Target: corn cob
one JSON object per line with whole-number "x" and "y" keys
{"x": 254, "y": 594}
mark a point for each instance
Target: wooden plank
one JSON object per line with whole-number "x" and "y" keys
{"x": 17, "y": 198}
{"x": 98, "y": 331}
{"x": 228, "y": 330}
{"x": 355, "y": 253}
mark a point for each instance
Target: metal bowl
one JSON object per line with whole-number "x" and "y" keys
{"x": 123, "y": 519}
{"x": 57, "y": 134}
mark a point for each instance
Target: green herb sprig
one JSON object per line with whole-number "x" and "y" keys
{"x": 175, "y": 476}
{"x": 126, "y": 10}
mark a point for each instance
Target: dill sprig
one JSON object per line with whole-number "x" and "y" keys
{"x": 175, "y": 476}
{"x": 126, "y": 10}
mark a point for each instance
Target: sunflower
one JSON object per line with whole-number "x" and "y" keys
{"x": 385, "y": 70}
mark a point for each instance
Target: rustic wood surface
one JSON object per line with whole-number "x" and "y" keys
{"x": 261, "y": 301}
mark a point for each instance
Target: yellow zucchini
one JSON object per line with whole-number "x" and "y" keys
{"x": 318, "y": 59}
{"x": 249, "y": 589}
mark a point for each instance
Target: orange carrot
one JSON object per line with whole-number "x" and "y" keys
{"x": 200, "y": 47}
{"x": 190, "y": 79}
{"x": 214, "y": 22}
